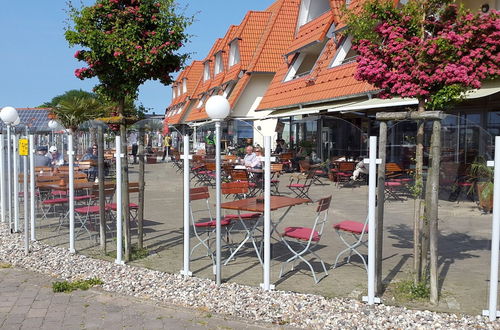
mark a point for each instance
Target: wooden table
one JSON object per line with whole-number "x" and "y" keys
{"x": 253, "y": 205}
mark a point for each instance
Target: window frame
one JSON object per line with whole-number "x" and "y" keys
{"x": 342, "y": 50}
{"x": 206, "y": 71}
{"x": 219, "y": 63}
{"x": 234, "y": 52}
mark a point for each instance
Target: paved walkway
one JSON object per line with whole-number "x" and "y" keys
{"x": 27, "y": 302}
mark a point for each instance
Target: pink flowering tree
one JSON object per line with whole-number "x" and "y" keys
{"x": 124, "y": 44}
{"x": 430, "y": 50}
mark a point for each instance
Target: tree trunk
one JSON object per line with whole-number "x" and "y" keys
{"x": 140, "y": 211}
{"x": 125, "y": 198}
{"x": 382, "y": 143}
{"x": 102, "y": 199}
{"x": 432, "y": 205}
{"x": 419, "y": 160}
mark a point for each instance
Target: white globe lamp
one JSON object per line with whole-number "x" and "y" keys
{"x": 9, "y": 115}
{"x": 17, "y": 121}
{"x": 217, "y": 107}
{"x": 53, "y": 125}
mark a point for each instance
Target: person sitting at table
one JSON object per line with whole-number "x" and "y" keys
{"x": 280, "y": 146}
{"x": 56, "y": 158}
{"x": 250, "y": 159}
{"x": 257, "y": 163}
{"x": 360, "y": 168}
{"x": 40, "y": 158}
{"x": 91, "y": 154}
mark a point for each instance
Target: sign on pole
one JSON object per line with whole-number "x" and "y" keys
{"x": 23, "y": 147}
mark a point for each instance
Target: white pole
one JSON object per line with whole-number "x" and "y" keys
{"x": 26, "y": 220}
{"x": 185, "y": 271}
{"x": 32, "y": 185}
{"x": 495, "y": 235}
{"x": 9, "y": 176}
{"x": 2, "y": 178}
{"x": 217, "y": 205}
{"x": 267, "y": 214}
{"x": 372, "y": 189}
{"x": 118, "y": 155}
{"x": 15, "y": 182}
{"x": 71, "y": 188}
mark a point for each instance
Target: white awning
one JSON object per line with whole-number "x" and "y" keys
{"x": 308, "y": 110}
{"x": 375, "y": 103}
{"x": 487, "y": 89}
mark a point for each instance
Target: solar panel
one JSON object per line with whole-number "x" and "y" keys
{"x": 36, "y": 119}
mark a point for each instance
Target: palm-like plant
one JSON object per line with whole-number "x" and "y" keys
{"x": 74, "y": 111}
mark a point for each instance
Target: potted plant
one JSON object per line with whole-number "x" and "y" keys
{"x": 483, "y": 176}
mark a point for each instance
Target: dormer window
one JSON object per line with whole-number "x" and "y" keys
{"x": 234, "y": 53}
{"x": 206, "y": 71}
{"x": 202, "y": 100}
{"x": 228, "y": 89}
{"x": 219, "y": 65}
{"x": 304, "y": 61}
{"x": 310, "y": 9}
{"x": 184, "y": 85}
{"x": 345, "y": 53}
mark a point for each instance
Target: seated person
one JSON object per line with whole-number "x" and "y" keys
{"x": 40, "y": 158}
{"x": 55, "y": 157}
{"x": 280, "y": 146}
{"x": 361, "y": 167}
{"x": 91, "y": 154}
{"x": 257, "y": 163}
{"x": 250, "y": 159}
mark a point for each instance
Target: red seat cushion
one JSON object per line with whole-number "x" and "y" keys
{"x": 351, "y": 226}
{"x": 302, "y": 233}
{"x": 243, "y": 216}
{"x": 55, "y": 201}
{"x": 112, "y": 206}
{"x": 297, "y": 185}
{"x": 83, "y": 197}
{"x": 88, "y": 209}
{"x": 223, "y": 222}
{"x": 464, "y": 184}
{"x": 393, "y": 184}
{"x": 343, "y": 174}
{"x": 59, "y": 192}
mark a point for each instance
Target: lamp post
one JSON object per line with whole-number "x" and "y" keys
{"x": 217, "y": 108}
{"x": 9, "y": 116}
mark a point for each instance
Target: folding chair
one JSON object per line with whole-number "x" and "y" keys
{"x": 355, "y": 229}
{"x": 242, "y": 176}
{"x": 203, "y": 229}
{"x": 276, "y": 170}
{"x": 300, "y": 185}
{"x": 88, "y": 215}
{"x": 133, "y": 187}
{"x": 307, "y": 238}
{"x": 343, "y": 173}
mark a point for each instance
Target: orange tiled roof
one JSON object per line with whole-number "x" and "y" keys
{"x": 312, "y": 31}
{"x": 324, "y": 83}
{"x": 279, "y": 34}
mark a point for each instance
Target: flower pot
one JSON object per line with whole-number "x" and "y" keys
{"x": 485, "y": 202}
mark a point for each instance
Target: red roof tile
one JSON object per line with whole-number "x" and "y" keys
{"x": 312, "y": 31}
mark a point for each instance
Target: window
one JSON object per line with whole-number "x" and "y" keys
{"x": 345, "y": 53}
{"x": 184, "y": 85}
{"x": 305, "y": 60}
{"x": 229, "y": 88}
{"x": 202, "y": 101}
{"x": 179, "y": 91}
{"x": 173, "y": 92}
{"x": 219, "y": 65}
{"x": 234, "y": 53}
{"x": 310, "y": 9}
{"x": 206, "y": 70}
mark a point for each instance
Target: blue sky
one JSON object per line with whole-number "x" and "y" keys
{"x": 37, "y": 64}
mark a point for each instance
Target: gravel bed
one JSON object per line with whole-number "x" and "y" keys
{"x": 278, "y": 307}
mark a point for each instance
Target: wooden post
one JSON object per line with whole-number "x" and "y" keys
{"x": 102, "y": 199}
{"x": 379, "y": 234}
{"x": 140, "y": 211}
{"x": 433, "y": 213}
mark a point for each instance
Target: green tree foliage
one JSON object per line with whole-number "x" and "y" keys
{"x": 73, "y": 93}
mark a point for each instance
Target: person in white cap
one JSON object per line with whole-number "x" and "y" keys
{"x": 56, "y": 158}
